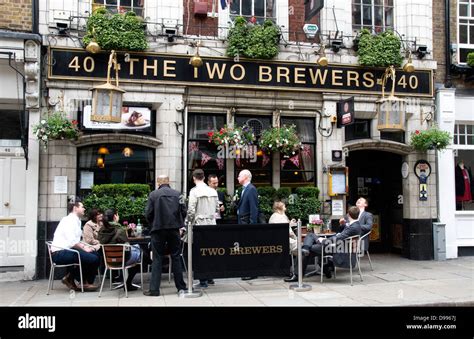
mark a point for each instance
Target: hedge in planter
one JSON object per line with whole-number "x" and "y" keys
{"x": 253, "y": 41}
{"x": 381, "y": 50}
{"x": 128, "y": 199}
{"x": 118, "y": 31}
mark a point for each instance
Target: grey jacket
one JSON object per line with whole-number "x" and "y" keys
{"x": 202, "y": 205}
{"x": 366, "y": 220}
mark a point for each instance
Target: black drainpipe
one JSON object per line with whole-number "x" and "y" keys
{"x": 35, "y": 16}
{"x": 447, "y": 81}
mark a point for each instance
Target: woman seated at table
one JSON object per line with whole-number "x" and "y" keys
{"x": 91, "y": 229}
{"x": 279, "y": 217}
{"x": 112, "y": 232}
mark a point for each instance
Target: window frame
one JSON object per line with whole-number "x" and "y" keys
{"x": 131, "y": 8}
{"x": 465, "y": 134}
{"x": 468, "y": 46}
{"x": 265, "y": 17}
{"x": 372, "y": 27}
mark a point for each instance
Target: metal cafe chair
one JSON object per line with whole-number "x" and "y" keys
{"x": 352, "y": 243}
{"x": 361, "y": 250}
{"x": 54, "y": 265}
{"x": 114, "y": 258}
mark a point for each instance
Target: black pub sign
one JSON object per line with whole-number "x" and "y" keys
{"x": 162, "y": 69}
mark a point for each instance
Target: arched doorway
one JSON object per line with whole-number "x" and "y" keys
{"x": 376, "y": 176}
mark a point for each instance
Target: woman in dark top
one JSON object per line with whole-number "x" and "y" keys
{"x": 112, "y": 232}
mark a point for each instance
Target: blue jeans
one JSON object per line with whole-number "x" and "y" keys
{"x": 89, "y": 263}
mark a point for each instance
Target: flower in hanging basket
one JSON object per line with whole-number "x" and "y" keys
{"x": 432, "y": 138}
{"x": 55, "y": 127}
{"x": 233, "y": 136}
{"x": 282, "y": 139}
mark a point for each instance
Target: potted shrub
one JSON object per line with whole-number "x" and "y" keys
{"x": 281, "y": 139}
{"x": 432, "y": 138}
{"x": 381, "y": 50}
{"x": 56, "y": 127}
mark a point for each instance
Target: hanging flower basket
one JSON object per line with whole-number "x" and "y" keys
{"x": 56, "y": 127}
{"x": 432, "y": 138}
{"x": 232, "y": 136}
{"x": 281, "y": 139}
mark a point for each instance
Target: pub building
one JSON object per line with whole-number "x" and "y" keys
{"x": 354, "y": 142}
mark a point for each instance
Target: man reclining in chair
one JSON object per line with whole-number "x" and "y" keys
{"x": 313, "y": 245}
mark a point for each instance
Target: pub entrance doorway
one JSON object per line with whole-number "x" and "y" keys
{"x": 376, "y": 176}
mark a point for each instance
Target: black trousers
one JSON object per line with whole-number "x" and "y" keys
{"x": 159, "y": 239}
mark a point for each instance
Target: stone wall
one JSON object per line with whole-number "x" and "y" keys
{"x": 16, "y": 15}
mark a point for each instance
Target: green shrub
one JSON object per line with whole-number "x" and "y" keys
{"x": 283, "y": 193}
{"x": 381, "y": 50}
{"x": 301, "y": 208}
{"x": 308, "y": 192}
{"x": 117, "y": 31}
{"x": 128, "y": 199}
{"x": 470, "y": 59}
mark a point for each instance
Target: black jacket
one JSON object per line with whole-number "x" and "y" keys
{"x": 165, "y": 209}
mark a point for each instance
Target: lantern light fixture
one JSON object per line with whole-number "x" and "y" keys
{"x": 103, "y": 150}
{"x": 322, "y": 60}
{"x": 390, "y": 110}
{"x": 107, "y": 98}
{"x": 196, "y": 60}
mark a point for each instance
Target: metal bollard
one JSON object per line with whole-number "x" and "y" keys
{"x": 300, "y": 287}
{"x": 190, "y": 293}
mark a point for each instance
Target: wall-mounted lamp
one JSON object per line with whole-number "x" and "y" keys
{"x": 421, "y": 51}
{"x": 103, "y": 150}
{"x": 107, "y": 98}
{"x": 390, "y": 110}
{"x": 322, "y": 60}
{"x": 409, "y": 67}
{"x": 196, "y": 60}
{"x": 93, "y": 47}
{"x": 336, "y": 45}
{"x": 100, "y": 162}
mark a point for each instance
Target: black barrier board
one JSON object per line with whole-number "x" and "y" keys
{"x": 229, "y": 251}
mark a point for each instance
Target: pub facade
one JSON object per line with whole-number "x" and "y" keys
{"x": 170, "y": 106}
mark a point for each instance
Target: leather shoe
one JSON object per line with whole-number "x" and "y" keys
{"x": 305, "y": 252}
{"x": 151, "y": 293}
{"x": 249, "y": 278}
{"x": 211, "y": 282}
{"x": 131, "y": 287}
{"x": 293, "y": 278}
{"x": 69, "y": 282}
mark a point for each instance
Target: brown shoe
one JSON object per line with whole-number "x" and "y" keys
{"x": 68, "y": 280}
{"x": 90, "y": 287}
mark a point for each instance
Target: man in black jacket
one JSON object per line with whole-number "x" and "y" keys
{"x": 165, "y": 213}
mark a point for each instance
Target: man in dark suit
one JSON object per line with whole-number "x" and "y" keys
{"x": 366, "y": 220}
{"x": 313, "y": 245}
{"x": 213, "y": 182}
{"x": 165, "y": 212}
{"x": 247, "y": 208}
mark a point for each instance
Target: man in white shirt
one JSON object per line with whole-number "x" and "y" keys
{"x": 68, "y": 236}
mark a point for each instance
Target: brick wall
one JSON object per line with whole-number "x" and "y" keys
{"x": 201, "y": 25}
{"x": 296, "y": 21}
{"x": 15, "y": 15}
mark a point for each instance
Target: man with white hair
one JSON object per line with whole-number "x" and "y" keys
{"x": 247, "y": 209}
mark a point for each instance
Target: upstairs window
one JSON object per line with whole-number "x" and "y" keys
{"x": 375, "y": 15}
{"x": 463, "y": 134}
{"x": 466, "y": 29}
{"x": 120, "y": 6}
{"x": 260, "y": 9}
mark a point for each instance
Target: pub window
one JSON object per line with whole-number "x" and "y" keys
{"x": 464, "y": 164}
{"x": 10, "y": 131}
{"x": 393, "y": 136}
{"x": 375, "y": 15}
{"x": 360, "y": 129}
{"x": 259, "y": 164}
{"x": 120, "y": 6}
{"x": 260, "y": 9}
{"x": 465, "y": 29}
{"x": 201, "y": 153}
{"x": 299, "y": 169}
{"x": 115, "y": 164}
{"x": 463, "y": 134}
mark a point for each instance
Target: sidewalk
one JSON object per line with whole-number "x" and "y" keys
{"x": 394, "y": 281}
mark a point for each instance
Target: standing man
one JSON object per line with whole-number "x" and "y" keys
{"x": 247, "y": 209}
{"x": 213, "y": 182}
{"x": 165, "y": 213}
{"x": 366, "y": 220}
{"x": 202, "y": 208}
{"x": 68, "y": 235}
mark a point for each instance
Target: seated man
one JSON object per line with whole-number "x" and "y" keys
{"x": 366, "y": 220}
{"x": 68, "y": 235}
{"x": 313, "y": 245}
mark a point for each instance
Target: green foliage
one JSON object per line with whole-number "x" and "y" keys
{"x": 381, "y": 50}
{"x": 308, "y": 192}
{"x": 301, "y": 207}
{"x": 237, "y": 136}
{"x": 283, "y": 193}
{"x": 253, "y": 41}
{"x": 284, "y": 139}
{"x": 470, "y": 59}
{"x": 55, "y": 127}
{"x": 128, "y": 199}
{"x": 118, "y": 31}
{"x": 432, "y": 138}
